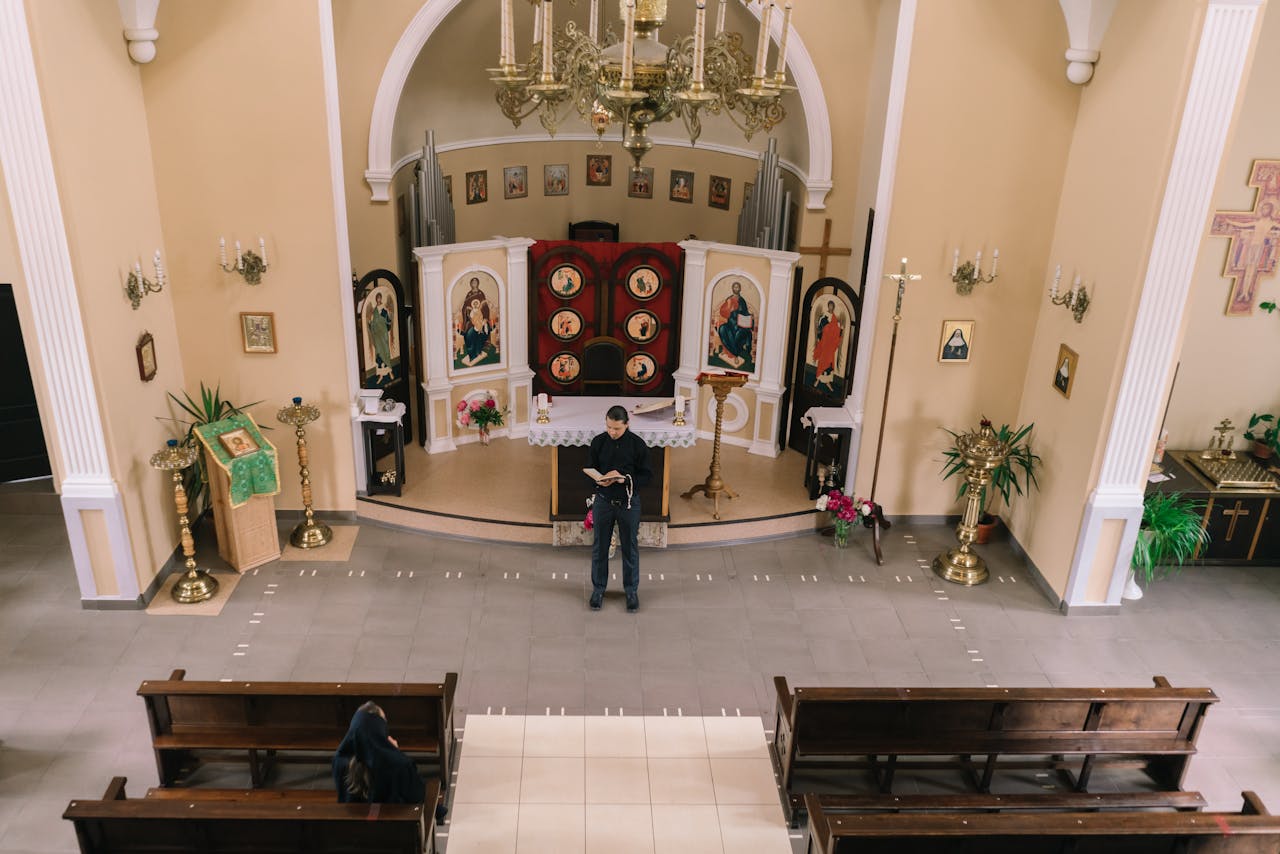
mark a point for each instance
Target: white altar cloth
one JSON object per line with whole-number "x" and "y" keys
{"x": 577, "y": 420}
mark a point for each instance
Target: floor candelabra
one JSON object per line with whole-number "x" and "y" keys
{"x": 309, "y": 534}
{"x": 196, "y": 585}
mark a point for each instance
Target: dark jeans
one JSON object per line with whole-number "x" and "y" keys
{"x": 604, "y": 514}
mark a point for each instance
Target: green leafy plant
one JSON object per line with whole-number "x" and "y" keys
{"x": 209, "y": 408}
{"x": 1017, "y": 474}
{"x": 1264, "y": 435}
{"x": 1168, "y": 536}
{"x": 1268, "y": 307}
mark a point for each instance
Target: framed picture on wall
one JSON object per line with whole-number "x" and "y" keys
{"x": 640, "y": 185}
{"x": 599, "y": 170}
{"x": 515, "y": 182}
{"x": 448, "y": 187}
{"x": 477, "y": 187}
{"x": 681, "y": 186}
{"x": 146, "y": 351}
{"x": 555, "y": 179}
{"x": 957, "y": 337}
{"x": 1064, "y": 376}
{"x": 258, "y": 331}
{"x": 718, "y": 192}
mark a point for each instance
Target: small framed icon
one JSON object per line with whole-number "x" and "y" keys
{"x": 258, "y": 331}
{"x": 642, "y": 326}
{"x": 238, "y": 442}
{"x": 565, "y": 281}
{"x": 644, "y": 283}
{"x": 718, "y": 192}
{"x": 564, "y": 367}
{"x": 599, "y": 170}
{"x": 1064, "y": 377}
{"x": 478, "y": 187}
{"x": 555, "y": 179}
{"x": 146, "y": 352}
{"x": 681, "y": 186}
{"x": 515, "y": 182}
{"x": 565, "y": 324}
{"x": 642, "y": 369}
{"x": 640, "y": 183}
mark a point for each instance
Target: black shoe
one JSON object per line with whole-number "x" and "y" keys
{"x": 633, "y": 603}
{"x": 597, "y": 598}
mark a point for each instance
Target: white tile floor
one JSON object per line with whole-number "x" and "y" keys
{"x": 578, "y": 785}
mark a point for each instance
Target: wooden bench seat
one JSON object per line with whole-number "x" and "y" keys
{"x": 264, "y": 722}
{"x": 981, "y": 731}
{"x": 982, "y": 802}
{"x": 1251, "y": 831}
{"x": 232, "y": 821}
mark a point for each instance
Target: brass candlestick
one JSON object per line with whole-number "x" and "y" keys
{"x": 543, "y": 417}
{"x": 196, "y": 585}
{"x": 309, "y": 534}
{"x": 982, "y": 452}
{"x": 721, "y": 385}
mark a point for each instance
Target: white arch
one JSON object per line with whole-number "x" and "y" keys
{"x": 432, "y": 14}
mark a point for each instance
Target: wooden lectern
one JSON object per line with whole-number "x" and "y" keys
{"x": 247, "y": 535}
{"x": 721, "y": 385}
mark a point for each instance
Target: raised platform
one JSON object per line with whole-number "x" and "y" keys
{"x": 501, "y": 492}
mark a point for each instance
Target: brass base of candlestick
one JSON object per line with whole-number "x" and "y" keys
{"x": 713, "y": 487}
{"x": 311, "y": 535}
{"x": 960, "y": 566}
{"x": 195, "y": 585}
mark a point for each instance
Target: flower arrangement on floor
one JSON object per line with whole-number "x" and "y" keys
{"x": 483, "y": 415}
{"x": 846, "y": 510}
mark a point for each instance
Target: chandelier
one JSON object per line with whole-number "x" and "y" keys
{"x": 636, "y": 80}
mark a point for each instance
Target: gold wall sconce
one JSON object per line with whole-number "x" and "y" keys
{"x": 249, "y": 264}
{"x": 1076, "y": 300}
{"x": 137, "y": 286}
{"x": 968, "y": 274}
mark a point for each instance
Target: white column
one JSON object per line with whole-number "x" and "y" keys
{"x": 435, "y": 317}
{"x": 1202, "y": 136}
{"x": 516, "y": 335}
{"x": 773, "y": 346}
{"x": 692, "y": 347}
{"x": 87, "y": 483}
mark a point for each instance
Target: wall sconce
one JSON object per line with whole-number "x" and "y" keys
{"x": 249, "y": 264}
{"x": 138, "y": 286}
{"x": 969, "y": 273}
{"x": 1076, "y": 300}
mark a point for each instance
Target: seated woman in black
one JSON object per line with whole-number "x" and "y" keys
{"x": 370, "y": 768}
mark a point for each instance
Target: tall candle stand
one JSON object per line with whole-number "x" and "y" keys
{"x": 982, "y": 452}
{"x": 721, "y": 385}
{"x": 196, "y": 585}
{"x": 309, "y": 534}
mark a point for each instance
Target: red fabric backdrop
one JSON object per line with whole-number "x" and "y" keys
{"x": 620, "y": 281}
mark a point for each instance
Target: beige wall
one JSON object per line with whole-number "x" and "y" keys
{"x": 235, "y": 104}
{"x": 1119, "y": 159}
{"x": 1225, "y": 363}
{"x": 102, "y": 159}
{"x": 986, "y": 129}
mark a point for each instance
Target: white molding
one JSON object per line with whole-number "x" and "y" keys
{"x": 414, "y": 38}
{"x": 1197, "y": 155}
{"x": 1087, "y": 22}
{"x": 73, "y": 412}
{"x": 856, "y": 403}
{"x": 139, "y": 18}
{"x": 516, "y": 336}
{"x": 732, "y": 423}
{"x": 337, "y": 181}
{"x": 523, "y": 138}
{"x": 695, "y": 282}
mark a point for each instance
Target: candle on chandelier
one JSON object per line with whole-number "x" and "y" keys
{"x": 1057, "y": 277}
{"x": 762, "y": 44}
{"x": 955, "y": 262}
{"x": 995, "y": 262}
{"x": 504, "y": 51}
{"x": 594, "y": 27}
{"x": 239, "y": 262}
{"x": 159, "y": 269}
{"x": 977, "y": 263}
{"x": 262, "y": 250}
{"x": 222, "y": 251}
{"x": 780, "y": 73}
{"x": 137, "y": 270}
{"x": 699, "y": 43}
{"x": 1075, "y": 288}
{"x": 537, "y": 23}
{"x": 628, "y": 44}
{"x": 547, "y": 25}
{"x": 720, "y": 17}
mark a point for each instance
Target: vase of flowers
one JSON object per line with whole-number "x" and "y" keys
{"x": 483, "y": 414}
{"x": 845, "y": 511}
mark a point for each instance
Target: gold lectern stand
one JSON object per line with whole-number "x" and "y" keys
{"x": 721, "y": 385}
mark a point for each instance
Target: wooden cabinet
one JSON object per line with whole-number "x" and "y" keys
{"x": 1243, "y": 524}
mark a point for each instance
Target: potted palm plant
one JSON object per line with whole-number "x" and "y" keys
{"x": 1168, "y": 536}
{"x": 209, "y": 408}
{"x": 1017, "y": 474}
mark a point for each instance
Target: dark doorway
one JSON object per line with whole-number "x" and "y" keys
{"x": 22, "y": 450}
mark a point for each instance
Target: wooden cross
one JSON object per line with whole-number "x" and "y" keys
{"x": 1255, "y": 238}
{"x": 825, "y": 251}
{"x": 1235, "y": 517}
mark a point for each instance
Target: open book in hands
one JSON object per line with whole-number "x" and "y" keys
{"x": 602, "y": 479}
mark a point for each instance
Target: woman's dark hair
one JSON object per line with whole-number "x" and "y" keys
{"x": 617, "y": 413}
{"x": 359, "y": 778}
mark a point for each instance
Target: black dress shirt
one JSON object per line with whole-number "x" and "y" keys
{"x": 628, "y": 454}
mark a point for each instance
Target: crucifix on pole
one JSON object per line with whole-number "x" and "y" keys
{"x": 901, "y": 277}
{"x": 825, "y": 251}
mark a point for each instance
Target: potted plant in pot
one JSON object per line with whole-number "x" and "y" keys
{"x": 1262, "y": 432}
{"x": 1169, "y": 534}
{"x": 1017, "y": 474}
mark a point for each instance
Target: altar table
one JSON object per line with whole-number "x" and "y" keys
{"x": 575, "y": 421}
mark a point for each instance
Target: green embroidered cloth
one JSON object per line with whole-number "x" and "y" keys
{"x": 237, "y": 445}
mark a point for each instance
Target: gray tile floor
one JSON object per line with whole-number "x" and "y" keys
{"x": 715, "y": 626}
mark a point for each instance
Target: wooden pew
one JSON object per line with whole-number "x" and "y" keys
{"x": 976, "y": 731}
{"x": 1251, "y": 831}
{"x": 980, "y": 802}
{"x": 261, "y": 722}
{"x": 231, "y": 821}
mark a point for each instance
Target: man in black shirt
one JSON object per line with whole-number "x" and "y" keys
{"x": 623, "y": 457}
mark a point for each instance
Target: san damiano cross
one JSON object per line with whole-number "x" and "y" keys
{"x": 1255, "y": 238}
